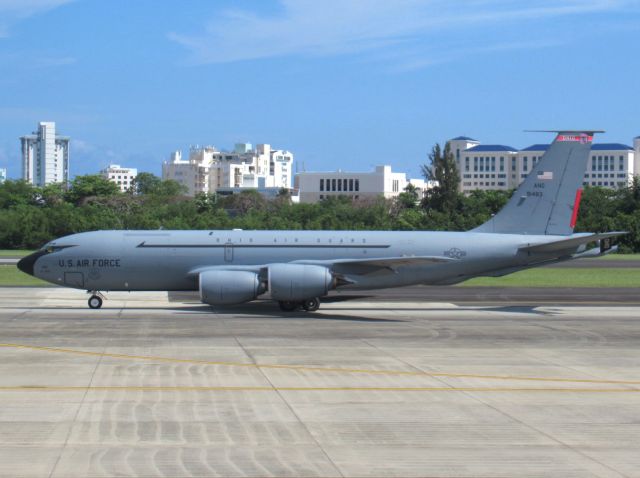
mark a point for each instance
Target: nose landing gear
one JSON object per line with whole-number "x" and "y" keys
{"x": 95, "y": 301}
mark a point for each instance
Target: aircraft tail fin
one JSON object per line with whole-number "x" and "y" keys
{"x": 547, "y": 201}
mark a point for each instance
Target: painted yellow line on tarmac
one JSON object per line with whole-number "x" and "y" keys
{"x": 47, "y": 388}
{"x": 316, "y": 369}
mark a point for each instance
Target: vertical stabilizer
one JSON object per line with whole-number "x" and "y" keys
{"x": 547, "y": 200}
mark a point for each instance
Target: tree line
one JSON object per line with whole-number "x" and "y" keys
{"x": 30, "y": 216}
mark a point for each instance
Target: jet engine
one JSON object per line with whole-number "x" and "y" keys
{"x": 229, "y": 287}
{"x": 295, "y": 282}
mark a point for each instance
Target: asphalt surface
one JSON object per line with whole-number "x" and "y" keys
{"x": 363, "y": 387}
{"x": 464, "y": 295}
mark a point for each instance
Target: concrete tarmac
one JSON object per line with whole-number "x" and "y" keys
{"x": 371, "y": 386}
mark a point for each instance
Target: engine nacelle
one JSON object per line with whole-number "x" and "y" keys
{"x": 294, "y": 282}
{"x": 229, "y": 287}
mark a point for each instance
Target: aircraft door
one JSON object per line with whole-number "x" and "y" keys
{"x": 228, "y": 252}
{"x": 74, "y": 279}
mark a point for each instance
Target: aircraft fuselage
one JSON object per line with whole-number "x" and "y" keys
{"x": 171, "y": 260}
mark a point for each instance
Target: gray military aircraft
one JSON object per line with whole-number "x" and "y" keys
{"x": 297, "y": 268}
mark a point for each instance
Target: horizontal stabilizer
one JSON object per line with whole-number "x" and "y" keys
{"x": 569, "y": 243}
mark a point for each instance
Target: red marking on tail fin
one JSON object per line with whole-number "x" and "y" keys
{"x": 576, "y": 206}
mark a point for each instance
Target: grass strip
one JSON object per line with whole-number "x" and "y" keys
{"x": 14, "y": 253}
{"x": 558, "y": 277}
{"x": 10, "y": 275}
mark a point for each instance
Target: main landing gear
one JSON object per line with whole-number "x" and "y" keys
{"x": 95, "y": 301}
{"x": 310, "y": 305}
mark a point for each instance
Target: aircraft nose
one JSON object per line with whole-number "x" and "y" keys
{"x": 26, "y": 264}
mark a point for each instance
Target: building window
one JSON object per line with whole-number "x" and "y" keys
{"x": 322, "y": 185}
{"x": 357, "y": 184}
{"x": 339, "y": 184}
{"x": 350, "y": 184}
{"x": 333, "y": 184}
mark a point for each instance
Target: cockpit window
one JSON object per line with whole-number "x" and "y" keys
{"x": 53, "y": 247}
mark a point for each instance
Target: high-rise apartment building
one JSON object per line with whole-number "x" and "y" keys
{"x": 122, "y": 177}
{"x": 45, "y": 156}
{"x": 3, "y": 175}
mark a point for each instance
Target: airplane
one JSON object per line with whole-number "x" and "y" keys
{"x": 298, "y": 268}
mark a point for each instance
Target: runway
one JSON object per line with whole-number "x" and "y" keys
{"x": 503, "y": 296}
{"x": 376, "y": 385}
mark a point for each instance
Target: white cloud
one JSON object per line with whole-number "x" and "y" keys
{"x": 339, "y": 27}
{"x": 12, "y": 11}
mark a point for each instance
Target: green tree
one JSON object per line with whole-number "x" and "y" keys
{"x": 444, "y": 196}
{"x": 13, "y": 193}
{"x": 53, "y": 194}
{"x": 245, "y": 201}
{"x": 169, "y": 187}
{"x": 151, "y": 185}
{"x": 409, "y": 197}
{"x": 146, "y": 183}
{"x": 91, "y": 185}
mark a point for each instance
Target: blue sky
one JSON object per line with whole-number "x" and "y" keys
{"x": 341, "y": 83}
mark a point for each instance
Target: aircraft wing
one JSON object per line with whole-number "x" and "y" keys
{"x": 569, "y": 243}
{"x": 370, "y": 265}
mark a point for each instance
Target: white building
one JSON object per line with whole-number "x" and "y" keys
{"x": 611, "y": 165}
{"x": 208, "y": 169}
{"x": 192, "y": 173}
{"x": 316, "y": 186}
{"x": 3, "y": 175}
{"x": 45, "y": 156}
{"x": 489, "y": 167}
{"x": 122, "y": 177}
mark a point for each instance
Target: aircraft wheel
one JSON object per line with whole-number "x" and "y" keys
{"x": 288, "y": 305}
{"x": 95, "y": 302}
{"x": 311, "y": 305}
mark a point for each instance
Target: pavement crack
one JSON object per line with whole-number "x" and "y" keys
{"x": 75, "y": 417}
{"x": 291, "y": 409}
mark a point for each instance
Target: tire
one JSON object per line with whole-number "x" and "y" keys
{"x": 311, "y": 305}
{"x": 95, "y": 302}
{"x": 287, "y": 305}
